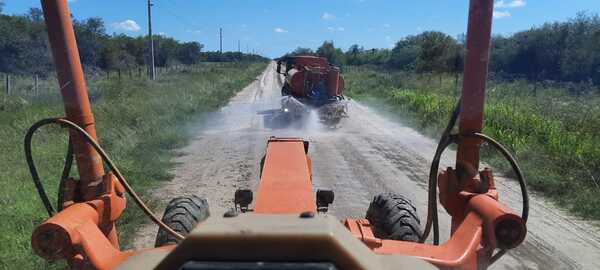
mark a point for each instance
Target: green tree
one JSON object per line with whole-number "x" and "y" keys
{"x": 333, "y": 55}
{"x": 353, "y": 55}
{"x": 190, "y": 52}
{"x": 90, "y": 34}
{"x": 36, "y": 15}
{"x": 404, "y": 54}
{"x": 437, "y": 50}
{"x": 302, "y": 51}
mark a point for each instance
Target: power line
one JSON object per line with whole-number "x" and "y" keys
{"x": 188, "y": 23}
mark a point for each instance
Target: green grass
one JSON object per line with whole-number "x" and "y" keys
{"x": 139, "y": 122}
{"x": 555, "y": 135}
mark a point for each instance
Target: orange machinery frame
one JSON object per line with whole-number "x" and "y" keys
{"x": 84, "y": 233}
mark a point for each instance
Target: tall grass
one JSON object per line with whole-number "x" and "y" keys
{"x": 555, "y": 135}
{"x": 139, "y": 122}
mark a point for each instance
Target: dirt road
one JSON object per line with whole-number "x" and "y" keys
{"x": 368, "y": 154}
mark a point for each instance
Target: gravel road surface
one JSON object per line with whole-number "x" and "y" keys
{"x": 365, "y": 155}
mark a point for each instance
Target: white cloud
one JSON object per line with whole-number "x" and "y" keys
{"x": 501, "y": 14}
{"x": 328, "y": 16}
{"x": 386, "y": 25}
{"x": 127, "y": 25}
{"x": 509, "y": 4}
{"x": 280, "y": 30}
{"x": 334, "y": 29}
{"x": 193, "y": 31}
{"x": 506, "y": 4}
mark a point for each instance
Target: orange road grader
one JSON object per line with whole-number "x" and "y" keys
{"x": 283, "y": 224}
{"x": 312, "y": 83}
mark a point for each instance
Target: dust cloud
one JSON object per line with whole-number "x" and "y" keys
{"x": 365, "y": 154}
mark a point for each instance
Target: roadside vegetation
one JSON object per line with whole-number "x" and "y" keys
{"x": 139, "y": 122}
{"x": 542, "y": 98}
{"x": 557, "y": 51}
{"x": 553, "y": 133}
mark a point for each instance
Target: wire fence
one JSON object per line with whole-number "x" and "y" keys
{"x": 30, "y": 87}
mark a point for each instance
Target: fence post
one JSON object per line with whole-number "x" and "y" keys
{"x": 35, "y": 84}
{"x": 119, "y": 73}
{"x": 8, "y": 90}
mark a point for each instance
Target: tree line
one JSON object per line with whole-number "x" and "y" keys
{"x": 24, "y": 47}
{"x": 560, "y": 51}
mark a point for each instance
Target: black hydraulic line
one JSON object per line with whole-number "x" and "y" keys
{"x": 31, "y": 164}
{"x": 105, "y": 158}
{"x": 65, "y": 174}
{"x": 445, "y": 141}
{"x": 520, "y": 178}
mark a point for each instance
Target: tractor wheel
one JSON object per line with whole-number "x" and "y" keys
{"x": 394, "y": 217}
{"x": 182, "y": 215}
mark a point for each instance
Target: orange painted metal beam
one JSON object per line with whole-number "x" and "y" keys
{"x": 477, "y": 55}
{"x": 285, "y": 186}
{"x": 74, "y": 92}
{"x": 462, "y": 251}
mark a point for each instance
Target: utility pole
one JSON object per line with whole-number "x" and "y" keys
{"x": 220, "y": 40}
{"x": 152, "y": 70}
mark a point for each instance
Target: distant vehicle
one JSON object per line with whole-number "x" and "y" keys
{"x": 311, "y": 82}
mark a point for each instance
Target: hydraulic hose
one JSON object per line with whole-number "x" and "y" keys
{"x": 446, "y": 140}
{"x": 432, "y": 217}
{"x": 31, "y": 164}
{"x": 520, "y": 178}
{"x": 65, "y": 174}
{"x": 105, "y": 158}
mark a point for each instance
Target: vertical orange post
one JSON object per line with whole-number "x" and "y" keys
{"x": 474, "y": 83}
{"x": 76, "y": 101}
{"x": 73, "y": 90}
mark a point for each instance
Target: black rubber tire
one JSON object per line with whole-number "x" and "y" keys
{"x": 394, "y": 217}
{"x": 182, "y": 215}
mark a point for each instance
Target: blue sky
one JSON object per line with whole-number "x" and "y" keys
{"x": 275, "y": 27}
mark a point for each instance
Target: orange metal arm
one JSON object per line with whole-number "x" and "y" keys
{"x": 77, "y": 106}
{"x": 285, "y": 185}
{"x": 74, "y": 91}
{"x": 475, "y": 76}
{"x": 487, "y": 225}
